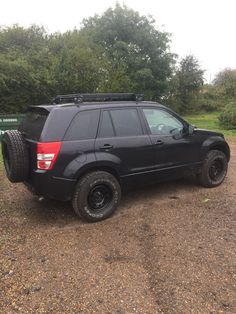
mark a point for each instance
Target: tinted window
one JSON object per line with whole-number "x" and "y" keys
{"x": 33, "y": 123}
{"x": 162, "y": 122}
{"x": 126, "y": 122}
{"x": 106, "y": 128}
{"x": 84, "y": 126}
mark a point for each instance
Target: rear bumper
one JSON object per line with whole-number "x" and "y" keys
{"x": 43, "y": 184}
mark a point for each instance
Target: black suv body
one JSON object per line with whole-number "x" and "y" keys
{"x": 132, "y": 141}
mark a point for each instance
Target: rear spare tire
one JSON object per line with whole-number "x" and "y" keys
{"x": 15, "y": 156}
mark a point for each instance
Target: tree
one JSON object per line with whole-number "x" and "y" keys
{"x": 25, "y": 62}
{"x": 187, "y": 82}
{"x": 80, "y": 63}
{"x": 138, "y": 53}
{"x": 35, "y": 66}
{"x": 190, "y": 76}
{"x": 225, "y": 84}
{"x": 119, "y": 51}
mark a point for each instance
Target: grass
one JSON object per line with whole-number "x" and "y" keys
{"x": 208, "y": 121}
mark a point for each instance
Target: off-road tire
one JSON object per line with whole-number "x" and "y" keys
{"x": 85, "y": 185}
{"x": 204, "y": 177}
{"x": 15, "y": 156}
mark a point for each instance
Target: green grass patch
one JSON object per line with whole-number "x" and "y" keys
{"x": 208, "y": 121}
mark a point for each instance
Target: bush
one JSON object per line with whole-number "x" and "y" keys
{"x": 228, "y": 117}
{"x": 175, "y": 104}
{"x": 206, "y": 106}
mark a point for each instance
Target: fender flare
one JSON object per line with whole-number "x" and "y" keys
{"x": 215, "y": 142}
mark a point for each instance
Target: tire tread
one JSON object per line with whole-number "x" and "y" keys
{"x": 81, "y": 183}
{"x": 203, "y": 176}
{"x": 19, "y": 155}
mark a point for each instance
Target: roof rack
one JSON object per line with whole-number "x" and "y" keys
{"x": 80, "y": 98}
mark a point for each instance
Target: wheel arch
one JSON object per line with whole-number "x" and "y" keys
{"x": 105, "y": 168}
{"x": 223, "y": 147}
{"x": 215, "y": 143}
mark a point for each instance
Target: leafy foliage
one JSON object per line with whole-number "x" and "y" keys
{"x": 228, "y": 117}
{"x": 186, "y": 85}
{"x": 35, "y": 66}
{"x": 225, "y": 84}
{"x": 25, "y": 62}
{"x": 189, "y": 75}
{"x": 138, "y": 53}
{"x": 119, "y": 51}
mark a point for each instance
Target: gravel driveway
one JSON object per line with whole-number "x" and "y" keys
{"x": 170, "y": 248}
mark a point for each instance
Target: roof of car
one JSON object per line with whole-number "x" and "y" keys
{"x": 100, "y": 105}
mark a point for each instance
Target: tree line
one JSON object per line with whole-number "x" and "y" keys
{"x": 118, "y": 51}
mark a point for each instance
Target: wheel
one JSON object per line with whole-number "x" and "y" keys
{"x": 96, "y": 196}
{"x": 15, "y": 156}
{"x": 214, "y": 169}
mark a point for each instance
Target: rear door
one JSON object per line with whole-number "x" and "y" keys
{"x": 122, "y": 142}
{"x": 77, "y": 148}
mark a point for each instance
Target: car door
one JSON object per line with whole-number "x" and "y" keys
{"x": 77, "y": 149}
{"x": 122, "y": 142}
{"x": 174, "y": 147}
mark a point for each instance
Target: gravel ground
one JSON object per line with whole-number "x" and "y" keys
{"x": 170, "y": 248}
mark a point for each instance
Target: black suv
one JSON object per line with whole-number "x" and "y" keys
{"x": 86, "y": 147}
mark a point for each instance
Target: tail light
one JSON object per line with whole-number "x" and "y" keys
{"x": 47, "y": 154}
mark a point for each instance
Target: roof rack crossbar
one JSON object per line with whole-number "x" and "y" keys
{"x": 79, "y": 98}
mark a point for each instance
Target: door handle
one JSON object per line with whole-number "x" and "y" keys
{"x": 159, "y": 142}
{"x": 106, "y": 146}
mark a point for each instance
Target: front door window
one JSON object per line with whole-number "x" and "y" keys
{"x": 161, "y": 122}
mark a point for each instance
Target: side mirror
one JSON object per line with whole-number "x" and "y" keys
{"x": 191, "y": 129}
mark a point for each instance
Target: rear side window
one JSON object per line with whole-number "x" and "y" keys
{"x": 84, "y": 126}
{"x": 126, "y": 122}
{"x": 33, "y": 123}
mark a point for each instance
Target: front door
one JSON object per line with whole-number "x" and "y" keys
{"x": 174, "y": 148}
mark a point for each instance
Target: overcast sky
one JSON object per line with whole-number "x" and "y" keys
{"x": 205, "y": 28}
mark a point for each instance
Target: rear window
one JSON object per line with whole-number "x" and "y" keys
{"x": 33, "y": 123}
